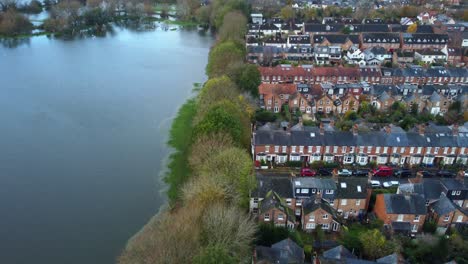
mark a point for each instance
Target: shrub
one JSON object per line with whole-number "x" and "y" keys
{"x": 265, "y": 116}
{"x": 294, "y": 163}
{"x": 430, "y": 227}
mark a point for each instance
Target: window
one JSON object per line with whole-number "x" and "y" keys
{"x": 335, "y": 149}
{"x": 377, "y": 150}
{"x": 369, "y": 149}
{"x": 267, "y": 149}
{"x": 400, "y": 218}
{"x": 280, "y": 217}
{"x": 348, "y": 159}
{"x": 310, "y": 226}
{"x": 293, "y": 149}
{"x": 416, "y": 218}
{"x": 343, "y": 149}
{"x": 329, "y": 191}
{"x": 284, "y": 149}
{"x": 419, "y": 150}
{"x": 459, "y": 218}
{"x": 385, "y": 150}
{"x": 266, "y": 217}
{"x": 446, "y": 149}
{"x": 361, "y": 149}
{"x": 331, "y": 202}
{"x": 414, "y": 228}
{"x": 436, "y": 150}
{"x": 351, "y": 149}
{"x": 301, "y": 149}
{"x": 358, "y": 202}
{"x": 411, "y": 150}
{"x": 402, "y": 150}
{"x": 314, "y": 190}
{"x": 310, "y": 149}
{"x": 304, "y": 190}
{"x": 325, "y": 216}
{"x": 288, "y": 201}
{"x": 327, "y": 149}
{"x": 276, "y": 149}
{"x": 311, "y": 218}
{"x": 344, "y": 202}
{"x": 446, "y": 218}
{"x": 325, "y": 226}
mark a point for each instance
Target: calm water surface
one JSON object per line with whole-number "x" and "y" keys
{"x": 83, "y": 126}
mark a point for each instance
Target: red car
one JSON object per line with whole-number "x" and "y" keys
{"x": 308, "y": 172}
{"x": 383, "y": 171}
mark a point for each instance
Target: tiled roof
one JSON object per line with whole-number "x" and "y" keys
{"x": 277, "y": 88}
{"x": 280, "y": 185}
{"x": 443, "y": 206}
{"x": 405, "y": 204}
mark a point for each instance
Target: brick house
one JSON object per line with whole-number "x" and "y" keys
{"x": 325, "y": 104}
{"x": 317, "y": 212}
{"x": 446, "y": 214}
{"x": 273, "y": 209}
{"x": 416, "y": 41}
{"x": 342, "y": 40}
{"x": 401, "y": 213}
{"x": 389, "y": 41}
{"x": 437, "y": 103}
{"x": 273, "y": 95}
{"x": 299, "y": 101}
{"x": 352, "y": 198}
{"x": 431, "y": 145}
{"x": 349, "y": 103}
{"x": 266, "y": 184}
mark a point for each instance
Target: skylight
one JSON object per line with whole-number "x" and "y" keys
{"x": 359, "y": 188}
{"x": 398, "y": 139}
{"x": 297, "y": 182}
{"x": 343, "y": 185}
{"x": 428, "y": 139}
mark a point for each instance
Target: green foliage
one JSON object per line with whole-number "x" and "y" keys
{"x": 225, "y": 117}
{"x": 214, "y": 254}
{"x": 374, "y": 244}
{"x": 319, "y": 233}
{"x": 430, "y": 227}
{"x": 350, "y": 237}
{"x": 268, "y": 234}
{"x": 235, "y": 167}
{"x": 249, "y": 79}
{"x": 287, "y": 13}
{"x": 287, "y": 113}
{"x": 294, "y": 164}
{"x": 215, "y": 90}
{"x": 265, "y": 116}
{"x": 221, "y": 7}
{"x": 317, "y": 164}
{"x": 180, "y": 138}
{"x": 222, "y": 58}
{"x": 234, "y": 27}
{"x": 346, "y": 30}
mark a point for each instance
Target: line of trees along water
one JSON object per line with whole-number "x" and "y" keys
{"x": 210, "y": 171}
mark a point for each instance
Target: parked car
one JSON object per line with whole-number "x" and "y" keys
{"x": 446, "y": 174}
{"x": 403, "y": 173}
{"x": 344, "y": 172}
{"x": 324, "y": 172}
{"x": 362, "y": 172}
{"x": 390, "y": 184}
{"x": 308, "y": 172}
{"x": 375, "y": 184}
{"x": 383, "y": 171}
{"x": 427, "y": 174}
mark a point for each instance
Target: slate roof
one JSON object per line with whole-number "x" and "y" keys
{"x": 376, "y": 50}
{"x": 336, "y": 38}
{"x": 401, "y": 226}
{"x": 381, "y": 38}
{"x": 299, "y": 39}
{"x": 290, "y": 250}
{"x": 268, "y": 26}
{"x": 435, "y": 97}
{"x": 405, "y": 204}
{"x": 339, "y": 252}
{"x": 423, "y": 38}
{"x": 453, "y": 184}
{"x": 362, "y": 28}
{"x": 323, "y": 28}
{"x": 280, "y": 185}
{"x": 420, "y": 29}
{"x": 317, "y": 183}
{"x": 431, "y": 52}
{"x": 443, "y": 206}
{"x": 352, "y": 188}
{"x": 390, "y": 259}
{"x": 310, "y": 205}
{"x": 310, "y": 136}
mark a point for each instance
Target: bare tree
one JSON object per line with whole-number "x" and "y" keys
{"x": 8, "y": 4}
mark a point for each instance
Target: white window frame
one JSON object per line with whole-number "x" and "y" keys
{"x": 325, "y": 216}
{"x": 358, "y": 202}
{"x": 344, "y": 202}
{"x": 400, "y": 218}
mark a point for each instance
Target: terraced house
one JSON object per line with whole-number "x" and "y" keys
{"x": 431, "y": 145}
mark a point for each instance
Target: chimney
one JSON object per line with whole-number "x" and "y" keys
{"x": 388, "y": 129}
{"x": 355, "y": 129}
{"x": 419, "y": 177}
{"x": 461, "y": 177}
{"x": 322, "y": 130}
{"x": 421, "y": 129}
{"x": 455, "y": 130}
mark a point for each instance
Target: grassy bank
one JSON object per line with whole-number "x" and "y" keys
{"x": 180, "y": 138}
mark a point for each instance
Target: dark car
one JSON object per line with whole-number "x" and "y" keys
{"x": 445, "y": 174}
{"x": 362, "y": 172}
{"x": 307, "y": 172}
{"x": 324, "y": 172}
{"x": 427, "y": 174}
{"x": 403, "y": 173}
